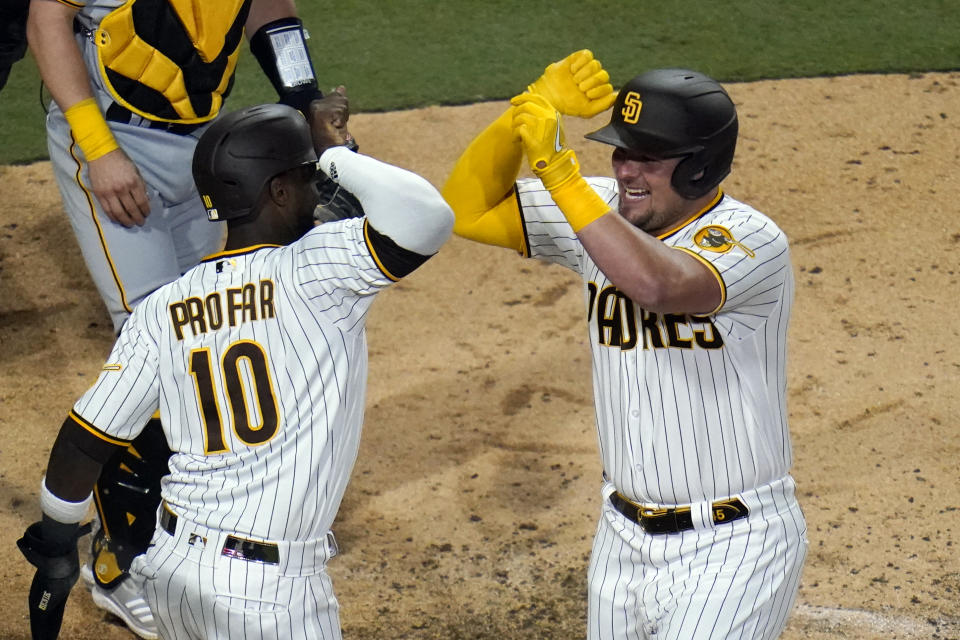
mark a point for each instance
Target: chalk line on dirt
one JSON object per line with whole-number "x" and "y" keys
{"x": 905, "y": 627}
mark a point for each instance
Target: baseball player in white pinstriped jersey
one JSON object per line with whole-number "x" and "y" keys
{"x": 257, "y": 361}
{"x": 133, "y": 85}
{"x": 688, "y": 295}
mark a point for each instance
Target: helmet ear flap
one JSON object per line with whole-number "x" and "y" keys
{"x": 687, "y": 178}
{"x": 705, "y": 169}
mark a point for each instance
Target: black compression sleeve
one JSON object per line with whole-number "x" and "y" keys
{"x": 75, "y": 461}
{"x": 395, "y": 261}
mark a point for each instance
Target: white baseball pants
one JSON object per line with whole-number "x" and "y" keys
{"x": 719, "y": 581}
{"x": 197, "y": 593}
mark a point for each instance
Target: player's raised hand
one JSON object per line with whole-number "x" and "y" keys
{"x": 578, "y": 85}
{"x": 328, "y": 121}
{"x": 540, "y": 128}
{"x": 119, "y": 188}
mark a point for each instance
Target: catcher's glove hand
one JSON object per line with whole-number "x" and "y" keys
{"x": 51, "y": 547}
{"x": 578, "y": 85}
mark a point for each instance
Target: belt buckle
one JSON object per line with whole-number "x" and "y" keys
{"x": 665, "y": 519}
{"x": 651, "y": 519}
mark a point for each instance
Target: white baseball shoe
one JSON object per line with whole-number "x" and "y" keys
{"x": 124, "y": 601}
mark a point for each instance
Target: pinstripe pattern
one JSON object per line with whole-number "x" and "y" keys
{"x": 298, "y": 315}
{"x": 680, "y": 425}
{"x": 734, "y": 581}
{"x": 690, "y": 410}
{"x": 315, "y": 347}
{"x": 198, "y": 593}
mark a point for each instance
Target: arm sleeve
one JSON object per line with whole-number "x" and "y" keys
{"x": 480, "y": 188}
{"x": 398, "y": 203}
{"x": 75, "y": 461}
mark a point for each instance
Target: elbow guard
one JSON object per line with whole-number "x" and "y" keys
{"x": 281, "y": 49}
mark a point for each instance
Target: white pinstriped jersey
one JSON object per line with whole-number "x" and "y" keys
{"x": 688, "y": 408}
{"x": 257, "y": 361}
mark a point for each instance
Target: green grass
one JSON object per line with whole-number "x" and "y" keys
{"x": 400, "y": 54}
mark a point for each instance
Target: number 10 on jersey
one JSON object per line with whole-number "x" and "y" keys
{"x": 247, "y": 386}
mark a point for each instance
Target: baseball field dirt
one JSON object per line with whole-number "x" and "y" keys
{"x": 475, "y": 495}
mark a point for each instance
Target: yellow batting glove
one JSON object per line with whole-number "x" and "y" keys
{"x": 578, "y": 85}
{"x": 540, "y": 129}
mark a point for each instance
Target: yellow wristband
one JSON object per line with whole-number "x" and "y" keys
{"x": 579, "y": 203}
{"x": 561, "y": 168}
{"x": 90, "y": 129}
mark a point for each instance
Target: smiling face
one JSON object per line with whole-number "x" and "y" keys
{"x": 647, "y": 198}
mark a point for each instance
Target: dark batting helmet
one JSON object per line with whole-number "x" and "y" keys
{"x": 241, "y": 151}
{"x": 670, "y": 113}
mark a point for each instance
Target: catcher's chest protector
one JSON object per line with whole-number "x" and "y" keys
{"x": 171, "y": 59}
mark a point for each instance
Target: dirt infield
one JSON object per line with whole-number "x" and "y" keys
{"x": 475, "y": 495}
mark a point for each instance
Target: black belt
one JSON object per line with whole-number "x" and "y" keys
{"x": 234, "y": 547}
{"x": 168, "y": 520}
{"x": 677, "y": 519}
{"x": 118, "y": 113}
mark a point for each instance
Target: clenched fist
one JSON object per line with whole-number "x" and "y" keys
{"x": 578, "y": 85}
{"x": 328, "y": 121}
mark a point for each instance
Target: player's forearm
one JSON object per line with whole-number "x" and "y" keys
{"x": 398, "y": 203}
{"x": 486, "y": 171}
{"x": 75, "y": 462}
{"x": 50, "y": 35}
{"x": 264, "y": 11}
{"x": 277, "y": 39}
{"x": 655, "y": 276}
{"x": 480, "y": 188}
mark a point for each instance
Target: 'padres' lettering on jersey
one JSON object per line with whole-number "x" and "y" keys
{"x": 231, "y": 306}
{"x": 618, "y": 326}
{"x": 684, "y": 413}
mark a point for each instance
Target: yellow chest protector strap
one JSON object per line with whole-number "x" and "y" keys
{"x": 171, "y": 60}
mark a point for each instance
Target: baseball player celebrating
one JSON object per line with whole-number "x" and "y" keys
{"x": 257, "y": 362}
{"x": 133, "y": 85}
{"x": 688, "y": 296}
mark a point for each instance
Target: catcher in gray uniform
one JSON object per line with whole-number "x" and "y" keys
{"x": 134, "y": 84}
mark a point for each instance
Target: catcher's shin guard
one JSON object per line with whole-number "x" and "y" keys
{"x": 127, "y": 495}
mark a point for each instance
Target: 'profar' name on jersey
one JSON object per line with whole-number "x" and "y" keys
{"x": 252, "y": 301}
{"x": 618, "y": 324}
